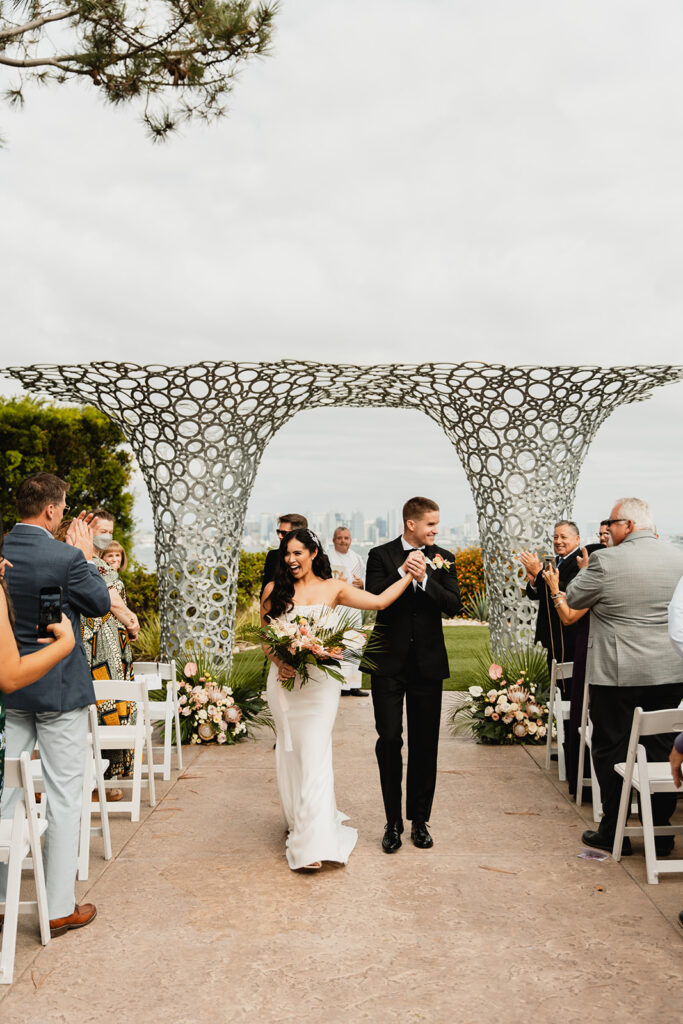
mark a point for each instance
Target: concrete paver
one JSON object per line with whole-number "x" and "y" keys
{"x": 201, "y": 920}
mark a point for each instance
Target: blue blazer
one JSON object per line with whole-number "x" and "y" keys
{"x": 38, "y": 560}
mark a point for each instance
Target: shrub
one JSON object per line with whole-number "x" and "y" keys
{"x": 470, "y": 570}
{"x": 249, "y": 578}
{"x": 142, "y": 591}
{"x": 477, "y": 606}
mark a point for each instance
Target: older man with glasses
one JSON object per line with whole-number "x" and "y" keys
{"x": 631, "y": 663}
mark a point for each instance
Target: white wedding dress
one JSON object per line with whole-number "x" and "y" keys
{"x": 304, "y": 719}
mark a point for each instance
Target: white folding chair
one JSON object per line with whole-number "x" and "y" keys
{"x": 19, "y": 839}
{"x": 137, "y": 737}
{"x": 95, "y": 767}
{"x": 559, "y": 670}
{"x": 647, "y": 777}
{"x": 166, "y": 711}
{"x": 582, "y": 780}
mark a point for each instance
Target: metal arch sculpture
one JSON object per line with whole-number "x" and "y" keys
{"x": 199, "y": 432}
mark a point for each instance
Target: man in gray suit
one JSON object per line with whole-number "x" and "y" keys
{"x": 53, "y": 710}
{"x": 630, "y": 663}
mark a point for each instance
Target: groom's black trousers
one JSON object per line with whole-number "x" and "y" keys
{"x": 423, "y": 706}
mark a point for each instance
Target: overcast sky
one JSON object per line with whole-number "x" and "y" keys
{"x": 401, "y": 181}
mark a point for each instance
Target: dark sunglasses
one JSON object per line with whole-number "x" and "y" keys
{"x": 611, "y": 522}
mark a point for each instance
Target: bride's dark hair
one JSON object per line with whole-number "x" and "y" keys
{"x": 283, "y": 583}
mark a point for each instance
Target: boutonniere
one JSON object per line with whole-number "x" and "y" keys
{"x": 439, "y": 563}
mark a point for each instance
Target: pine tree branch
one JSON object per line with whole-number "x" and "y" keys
{"x": 19, "y": 30}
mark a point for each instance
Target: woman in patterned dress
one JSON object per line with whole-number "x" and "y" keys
{"x": 107, "y": 646}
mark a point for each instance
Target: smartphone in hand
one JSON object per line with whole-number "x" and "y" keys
{"x": 49, "y": 608}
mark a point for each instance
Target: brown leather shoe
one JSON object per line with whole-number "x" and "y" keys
{"x": 81, "y": 916}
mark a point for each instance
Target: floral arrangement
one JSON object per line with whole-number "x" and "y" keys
{"x": 212, "y": 708}
{"x": 509, "y": 706}
{"x": 308, "y": 641}
{"x": 217, "y": 705}
{"x": 439, "y": 562}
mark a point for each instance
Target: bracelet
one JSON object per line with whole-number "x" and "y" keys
{"x": 556, "y": 597}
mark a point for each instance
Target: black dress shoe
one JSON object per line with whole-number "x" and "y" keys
{"x": 600, "y": 842}
{"x": 391, "y": 840}
{"x": 356, "y": 692}
{"x": 420, "y": 836}
{"x": 680, "y": 918}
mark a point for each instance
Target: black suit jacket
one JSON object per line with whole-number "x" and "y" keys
{"x": 549, "y": 625}
{"x": 38, "y": 560}
{"x": 414, "y": 620}
{"x": 272, "y": 559}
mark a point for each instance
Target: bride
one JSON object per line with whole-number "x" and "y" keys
{"x": 304, "y": 716}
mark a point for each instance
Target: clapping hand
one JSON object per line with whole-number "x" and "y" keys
{"x": 532, "y": 563}
{"x": 552, "y": 577}
{"x": 582, "y": 559}
{"x": 357, "y": 582}
{"x": 81, "y": 532}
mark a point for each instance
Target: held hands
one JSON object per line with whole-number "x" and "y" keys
{"x": 415, "y": 565}
{"x": 81, "y": 532}
{"x": 4, "y": 564}
{"x": 532, "y": 563}
{"x": 133, "y": 626}
{"x": 62, "y": 631}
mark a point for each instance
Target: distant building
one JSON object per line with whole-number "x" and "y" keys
{"x": 357, "y": 526}
{"x": 267, "y": 528}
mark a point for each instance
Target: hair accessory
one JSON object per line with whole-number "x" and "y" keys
{"x": 314, "y": 537}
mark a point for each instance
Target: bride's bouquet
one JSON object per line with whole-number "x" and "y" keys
{"x": 312, "y": 641}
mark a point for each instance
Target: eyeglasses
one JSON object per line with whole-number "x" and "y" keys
{"x": 611, "y": 522}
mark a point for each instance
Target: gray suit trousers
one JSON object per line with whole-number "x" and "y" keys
{"x": 62, "y": 737}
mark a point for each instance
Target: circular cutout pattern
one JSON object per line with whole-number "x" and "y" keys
{"x": 199, "y": 431}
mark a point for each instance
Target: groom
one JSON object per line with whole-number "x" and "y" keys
{"x": 411, "y": 663}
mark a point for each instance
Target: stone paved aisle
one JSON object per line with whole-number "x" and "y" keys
{"x": 200, "y": 919}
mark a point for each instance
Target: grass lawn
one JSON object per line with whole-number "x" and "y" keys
{"x": 463, "y": 643}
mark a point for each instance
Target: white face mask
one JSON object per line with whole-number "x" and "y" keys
{"x": 102, "y": 541}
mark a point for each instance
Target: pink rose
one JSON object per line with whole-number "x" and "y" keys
{"x": 495, "y": 716}
{"x": 190, "y": 669}
{"x": 495, "y": 671}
